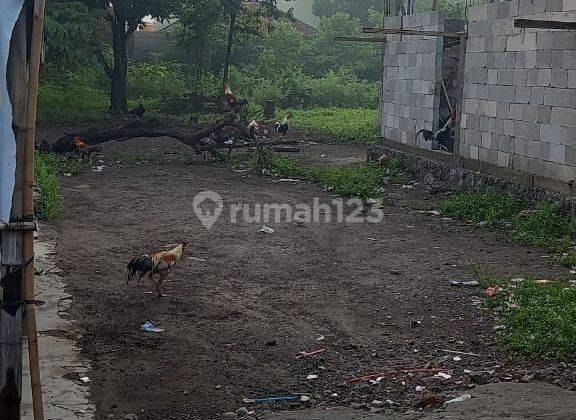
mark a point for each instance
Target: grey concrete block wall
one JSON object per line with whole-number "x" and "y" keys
{"x": 519, "y": 102}
{"x": 411, "y": 78}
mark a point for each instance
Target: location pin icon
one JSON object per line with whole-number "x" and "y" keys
{"x": 206, "y": 216}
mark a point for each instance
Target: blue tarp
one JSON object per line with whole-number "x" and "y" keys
{"x": 9, "y": 12}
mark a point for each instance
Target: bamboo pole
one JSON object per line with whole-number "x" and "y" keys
{"x": 28, "y": 205}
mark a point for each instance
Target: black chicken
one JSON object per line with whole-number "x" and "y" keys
{"x": 444, "y": 136}
{"x": 138, "y": 111}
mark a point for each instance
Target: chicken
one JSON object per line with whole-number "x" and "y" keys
{"x": 444, "y": 137}
{"x": 282, "y": 127}
{"x": 71, "y": 145}
{"x": 253, "y": 128}
{"x": 159, "y": 263}
{"x": 230, "y": 97}
{"x": 138, "y": 111}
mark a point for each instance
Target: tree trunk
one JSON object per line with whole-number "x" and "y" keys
{"x": 231, "y": 32}
{"x": 119, "y": 74}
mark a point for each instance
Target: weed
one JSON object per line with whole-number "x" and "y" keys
{"x": 481, "y": 207}
{"x": 540, "y": 320}
{"x": 349, "y": 125}
{"x": 567, "y": 259}
{"x": 544, "y": 227}
{"x": 49, "y": 204}
{"x": 47, "y": 169}
{"x": 361, "y": 181}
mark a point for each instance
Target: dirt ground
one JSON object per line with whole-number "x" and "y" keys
{"x": 242, "y": 304}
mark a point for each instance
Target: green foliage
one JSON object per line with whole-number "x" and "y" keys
{"x": 452, "y": 10}
{"x": 539, "y": 319}
{"x": 70, "y": 29}
{"x": 154, "y": 79}
{"x": 361, "y": 181}
{"x": 47, "y": 170}
{"x": 567, "y": 259}
{"x": 49, "y": 204}
{"x": 350, "y": 125}
{"x": 481, "y": 207}
{"x": 544, "y": 227}
{"x": 356, "y": 8}
{"x": 72, "y": 100}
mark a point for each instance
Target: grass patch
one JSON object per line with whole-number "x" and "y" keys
{"x": 49, "y": 204}
{"x": 47, "y": 169}
{"x": 349, "y": 125}
{"x": 544, "y": 227}
{"x": 481, "y": 207}
{"x": 363, "y": 180}
{"x": 539, "y": 319}
{"x": 72, "y": 104}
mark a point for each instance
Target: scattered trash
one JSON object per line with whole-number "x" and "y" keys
{"x": 322, "y": 156}
{"x": 302, "y": 398}
{"x": 288, "y": 180}
{"x": 320, "y": 338}
{"x": 457, "y": 358}
{"x": 376, "y": 381}
{"x": 372, "y": 239}
{"x": 197, "y": 259}
{"x": 443, "y": 375}
{"x": 431, "y": 212}
{"x": 391, "y": 403}
{"x": 310, "y": 377}
{"x": 148, "y": 327}
{"x": 462, "y": 352}
{"x": 243, "y": 412}
{"x": 468, "y": 371}
{"x": 334, "y": 395}
{"x": 572, "y": 272}
{"x": 518, "y": 279}
{"x": 266, "y": 229}
{"x": 312, "y": 353}
{"x": 461, "y": 398}
{"x": 493, "y": 291}
{"x": 407, "y": 187}
{"x": 266, "y": 172}
{"x": 499, "y": 327}
{"x": 377, "y": 402}
{"x": 544, "y": 281}
{"x": 391, "y": 371}
{"x": 98, "y": 168}
{"x": 85, "y": 379}
{"x": 419, "y": 388}
{"x": 463, "y": 283}
{"x": 67, "y": 174}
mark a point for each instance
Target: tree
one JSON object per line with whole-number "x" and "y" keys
{"x": 354, "y": 8}
{"x": 124, "y": 17}
{"x": 69, "y": 29}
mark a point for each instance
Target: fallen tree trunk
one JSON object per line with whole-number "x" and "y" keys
{"x": 137, "y": 129}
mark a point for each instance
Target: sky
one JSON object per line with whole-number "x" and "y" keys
{"x": 302, "y": 10}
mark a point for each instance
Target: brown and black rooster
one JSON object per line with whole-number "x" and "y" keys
{"x": 159, "y": 264}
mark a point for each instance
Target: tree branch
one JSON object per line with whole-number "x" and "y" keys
{"x": 102, "y": 60}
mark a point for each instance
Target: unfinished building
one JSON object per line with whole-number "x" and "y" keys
{"x": 511, "y": 92}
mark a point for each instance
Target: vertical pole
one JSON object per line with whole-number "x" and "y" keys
{"x": 28, "y": 206}
{"x": 11, "y": 259}
{"x": 460, "y": 84}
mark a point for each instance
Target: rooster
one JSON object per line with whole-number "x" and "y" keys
{"x": 138, "y": 111}
{"x": 282, "y": 127}
{"x": 159, "y": 263}
{"x": 71, "y": 145}
{"x": 229, "y": 95}
{"x": 444, "y": 136}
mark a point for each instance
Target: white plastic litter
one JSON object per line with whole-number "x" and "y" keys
{"x": 149, "y": 327}
{"x": 310, "y": 377}
{"x": 266, "y": 229}
{"x": 461, "y": 398}
{"x": 443, "y": 375}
